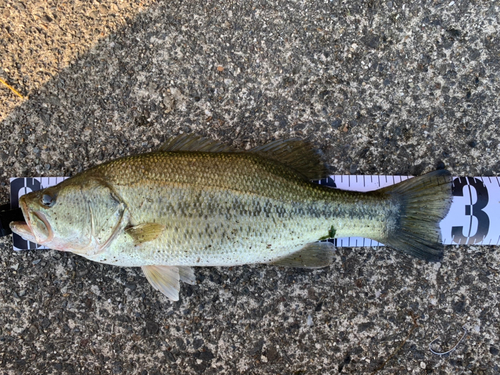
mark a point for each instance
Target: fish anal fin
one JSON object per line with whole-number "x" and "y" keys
{"x": 145, "y": 232}
{"x": 165, "y": 279}
{"x": 194, "y": 143}
{"x": 296, "y": 154}
{"x": 312, "y": 255}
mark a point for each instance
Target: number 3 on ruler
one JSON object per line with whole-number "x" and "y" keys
{"x": 472, "y": 210}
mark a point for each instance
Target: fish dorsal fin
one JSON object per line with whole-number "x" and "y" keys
{"x": 192, "y": 142}
{"x": 312, "y": 255}
{"x": 165, "y": 279}
{"x": 296, "y": 154}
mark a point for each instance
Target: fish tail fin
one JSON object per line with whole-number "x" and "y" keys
{"x": 423, "y": 202}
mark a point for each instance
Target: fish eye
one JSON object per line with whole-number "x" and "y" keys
{"x": 48, "y": 201}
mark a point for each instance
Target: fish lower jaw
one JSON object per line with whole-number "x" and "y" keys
{"x": 22, "y": 229}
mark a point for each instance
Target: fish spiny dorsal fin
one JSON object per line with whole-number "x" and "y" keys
{"x": 296, "y": 154}
{"x": 194, "y": 143}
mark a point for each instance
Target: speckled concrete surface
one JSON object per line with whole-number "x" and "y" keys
{"x": 381, "y": 87}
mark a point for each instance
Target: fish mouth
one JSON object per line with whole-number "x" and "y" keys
{"x": 22, "y": 229}
{"x": 35, "y": 228}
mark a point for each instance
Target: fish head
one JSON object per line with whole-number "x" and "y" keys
{"x": 76, "y": 216}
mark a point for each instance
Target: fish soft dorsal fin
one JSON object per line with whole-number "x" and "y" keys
{"x": 165, "y": 279}
{"x": 145, "y": 232}
{"x": 296, "y": 154}
{"x": 312, "y": 255}
{"x": 194, "y": 143}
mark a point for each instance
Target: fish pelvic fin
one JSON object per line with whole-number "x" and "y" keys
{"x": 423, "y": 202}
{"x": 166, "y": 278}
{"x": 186, "y": 275}
{"x": 312, "y": 255}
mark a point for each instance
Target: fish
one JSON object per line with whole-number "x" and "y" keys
{"x": 197, "y": 203}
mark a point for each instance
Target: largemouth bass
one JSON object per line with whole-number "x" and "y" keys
{"x": 197, "y": 203}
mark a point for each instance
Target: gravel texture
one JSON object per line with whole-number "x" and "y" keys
{"x": 381, "y": 87}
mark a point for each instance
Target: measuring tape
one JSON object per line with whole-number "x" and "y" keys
{"x": 474, "y": 216}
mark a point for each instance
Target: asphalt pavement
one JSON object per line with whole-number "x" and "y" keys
{"x": 381, "y": 87}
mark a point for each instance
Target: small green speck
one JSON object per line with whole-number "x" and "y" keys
{"x": 331, "y": 234}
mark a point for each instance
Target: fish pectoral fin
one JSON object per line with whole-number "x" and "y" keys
{"x": 186, "y": 275}
{"x": 312, "y": 255}
{"x": 165, "y": 279}
{"x": 145, "y": 232}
